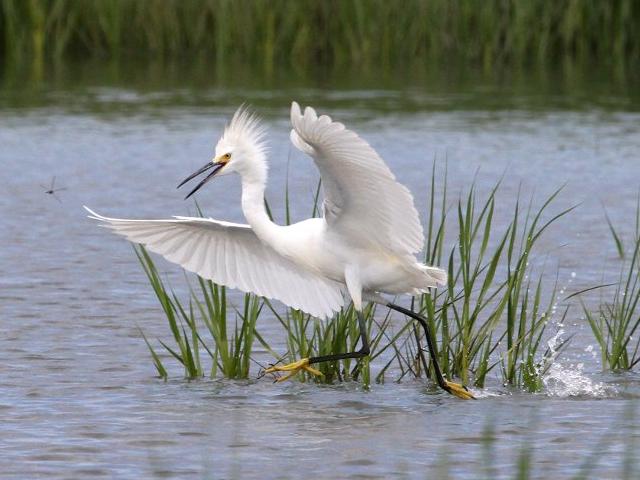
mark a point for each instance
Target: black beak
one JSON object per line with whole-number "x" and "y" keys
{"x": 216, "y": 168}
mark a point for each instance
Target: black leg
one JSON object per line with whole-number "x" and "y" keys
{"x": 450, "y": 387}
{"x": 363, "y": 352}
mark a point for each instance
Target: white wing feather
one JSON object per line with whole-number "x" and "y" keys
{"x": 362, "y": 198}
{"x": 231, "y": 254}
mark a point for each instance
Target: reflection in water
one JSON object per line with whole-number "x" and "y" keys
{"x": 111, "y": 86}
{"x": 77, "y": 393}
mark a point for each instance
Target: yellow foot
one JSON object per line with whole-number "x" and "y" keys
{"x": 458, "y": 390}
{"x": 294, "y": 368}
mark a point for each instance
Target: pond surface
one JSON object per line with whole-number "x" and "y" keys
{"x": 78, "y": 395}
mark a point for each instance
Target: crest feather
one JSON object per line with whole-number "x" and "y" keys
{"x": 245, "y": 126}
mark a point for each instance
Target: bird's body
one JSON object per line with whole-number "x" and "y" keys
{"x": 311, "y": 244}
{"x": 363, "y": 246}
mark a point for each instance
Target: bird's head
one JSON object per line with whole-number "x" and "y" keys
{"x": 241, "y": 149}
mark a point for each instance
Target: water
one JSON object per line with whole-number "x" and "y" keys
{"x": 78, "y": 396}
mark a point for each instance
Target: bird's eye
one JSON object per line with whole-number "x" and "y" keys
{"x": 226, "y": 157}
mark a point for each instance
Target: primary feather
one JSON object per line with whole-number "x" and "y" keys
{"x": 231, "y": 254}
{"x": 362, "y": 198}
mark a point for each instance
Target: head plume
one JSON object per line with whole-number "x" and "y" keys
{"x": 245, "y": 129}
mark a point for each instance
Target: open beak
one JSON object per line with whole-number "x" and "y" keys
{"x": 209, "y": 165}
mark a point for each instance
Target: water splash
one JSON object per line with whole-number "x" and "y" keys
{"x": 571, "y": 381}
{"x": 568, "y": 380}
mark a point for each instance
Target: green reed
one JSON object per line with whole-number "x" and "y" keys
{"x": 615, "y": 322}
{"x": 229, "y": 356}
{"x": 306, "y": 33}
{"x": 493, "y": 311}
{"x": 310, "y": 337}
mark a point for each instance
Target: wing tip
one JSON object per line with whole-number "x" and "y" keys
{"x": 297, "y": 114}
{"x": 93, "y": 215}
{"x": 310, "y": 113}
{"x": 295, "y": 111}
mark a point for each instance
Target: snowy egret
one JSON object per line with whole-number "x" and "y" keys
{"x": 363, "y": 246}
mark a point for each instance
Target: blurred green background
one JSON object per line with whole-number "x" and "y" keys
{"x": 388, "y": 40}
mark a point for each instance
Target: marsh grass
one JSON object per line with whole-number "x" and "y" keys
{"x": 615, "y": 322}
{"x": 230, "y": 356}
{"x": 307, "y": 33}
{"x": 492, "y": 312}
{"x": 310, "y": 337}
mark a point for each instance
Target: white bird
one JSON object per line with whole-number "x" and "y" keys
{"x": 363, "y": 246}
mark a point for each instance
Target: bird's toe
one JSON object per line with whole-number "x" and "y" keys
{"x": 459, "y": 391}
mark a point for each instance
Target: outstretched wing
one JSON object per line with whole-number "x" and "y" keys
{"x": 362, "y": 198}
{"x": 231, "y": 254}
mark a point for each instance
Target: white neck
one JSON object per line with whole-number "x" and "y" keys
{"x": 254, "y": 210}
